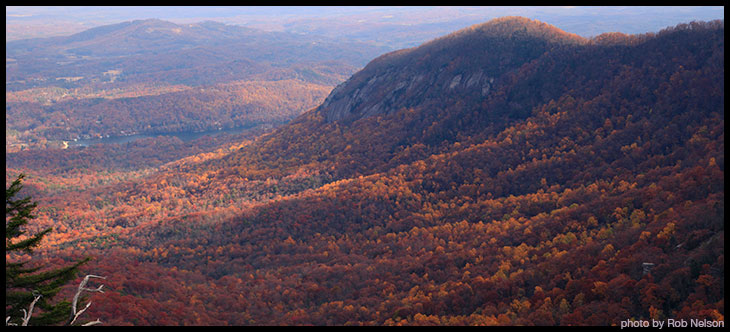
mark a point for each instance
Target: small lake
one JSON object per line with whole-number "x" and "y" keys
{"x": 183, "y": 135}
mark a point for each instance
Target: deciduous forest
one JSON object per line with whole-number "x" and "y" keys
{"x": 506, "y": 174}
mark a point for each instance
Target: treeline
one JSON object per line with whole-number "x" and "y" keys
{"x": 238, "y": 104}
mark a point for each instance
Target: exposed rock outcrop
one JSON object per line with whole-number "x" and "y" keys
{"x": 389, "y": 91}
{"x": 465, "y": 64}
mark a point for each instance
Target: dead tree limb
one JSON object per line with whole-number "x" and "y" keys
{"x": 26, "y": 314}
{"x": 75, "y": 313}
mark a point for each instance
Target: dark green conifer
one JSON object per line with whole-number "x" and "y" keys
{"x": 24, "y": 283}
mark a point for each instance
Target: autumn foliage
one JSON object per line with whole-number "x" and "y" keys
{"x": 536, "y": 205}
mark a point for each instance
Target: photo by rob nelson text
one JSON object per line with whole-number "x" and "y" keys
{"x": 672, "y": 323}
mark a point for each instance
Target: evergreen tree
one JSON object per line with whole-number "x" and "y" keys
{"x": 23, "y": 283}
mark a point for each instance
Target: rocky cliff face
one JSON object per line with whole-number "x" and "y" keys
{"x": 465, "y": 64}
{"x": 386, "y": 92}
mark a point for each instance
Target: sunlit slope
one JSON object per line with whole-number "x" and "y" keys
{"x": 536, "y": 201}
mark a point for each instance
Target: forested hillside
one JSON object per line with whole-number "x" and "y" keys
{"x": 231, "y": 105}
{"x": 507, "y": 174}
{"x": 153, "y": 76}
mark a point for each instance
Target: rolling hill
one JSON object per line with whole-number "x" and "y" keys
{"x": 147, "y": 76}
{"x": 151, "y": 46}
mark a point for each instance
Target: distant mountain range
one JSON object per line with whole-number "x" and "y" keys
{"x": 393, "y": 26}
{"x": 136, "y": 77}
{"x": 171, "y": 53}
{"x": 506, "y": 174}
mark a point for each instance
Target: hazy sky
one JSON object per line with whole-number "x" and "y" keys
{"x": 337, "y": 21}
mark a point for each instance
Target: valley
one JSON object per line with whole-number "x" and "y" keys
{"x": 508, "y": 173}
{"x": 166, "y": 78}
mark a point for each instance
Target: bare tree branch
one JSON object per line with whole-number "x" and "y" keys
{"x": 26, "y": 314}
{"x": 75, "y": 313}
{"x": 97, "y": 321}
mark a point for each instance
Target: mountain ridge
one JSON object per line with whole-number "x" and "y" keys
{"x": 149, "y": 57}
{"x": 100, "y": 49}
{"x": 521, "y": 40}
{"x": 539, "y": 203}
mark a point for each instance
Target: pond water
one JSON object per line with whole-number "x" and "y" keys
{"x": 183, "y": 135}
